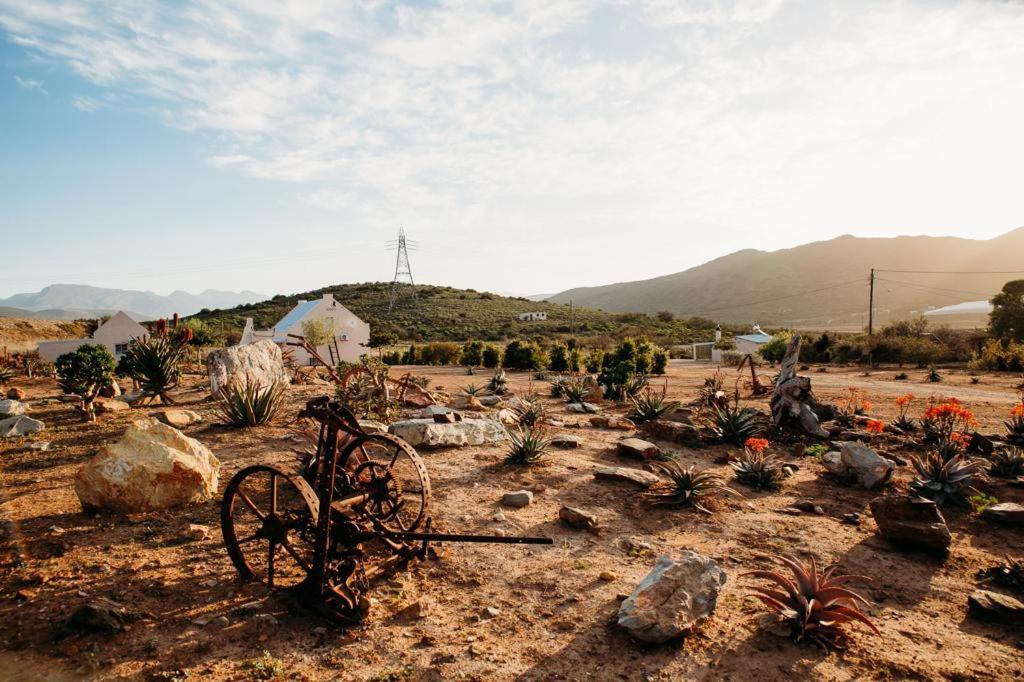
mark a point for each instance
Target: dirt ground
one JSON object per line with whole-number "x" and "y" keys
{"x": 556, "y": 616}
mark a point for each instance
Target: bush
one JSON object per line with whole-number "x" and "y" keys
{"x": 595, "y": 361}
{"x": 473, "y": 353}
{"x": 440, "y": 353}
{"x": 524, "y": 355}
{"x": 1000, "y": 355}
{"x": 491, "y": 356}
{"x": 559, "y": 359}
{"x": 659, "y": 361}
{"x": 775, "y": 350}
{"x": 85, "y": 372}
{"x": 576, "y": 359}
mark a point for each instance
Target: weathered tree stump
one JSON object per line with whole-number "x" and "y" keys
{"x": 792, "y": 399}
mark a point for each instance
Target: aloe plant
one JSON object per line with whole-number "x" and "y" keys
{"x": 245, "y": 404}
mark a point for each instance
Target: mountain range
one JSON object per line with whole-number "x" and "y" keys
{"x": 823, "y": 284}
{"x": 72, "y": 301}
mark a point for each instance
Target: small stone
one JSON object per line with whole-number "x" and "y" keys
{"x": 614, "y": 423}
{"x": 106, "y": 405}
{"x": 1004, "y": 512}
{"x": 583, "y": 408}
{"x": 490, "y": 612}
{"x": 12, "y": 408}
{"x": 222, "y": 621}
{"x": 179, "y": 418}
{"x": 417, "y": 610}
{"x": 519, "y": 498}
{"x": 637, "y": 448}
{"x": 16, "y": 394}
{"x": 577, "y": 518}
{"x": 792, "y": 511}
{"x": 40, "y": 446}
{"x": 809, "y": 506}
{"x": 197, "y": 532}
{"x": 264, "y": 619}
{"x": 608, "y": 576}
{"x": 498, "y": 516}
{"x": 853, "y": 518}
{"x": 638, "y": 477}
{"x": 371, "y": 426}
{"x": 987, "y": 605}
{"x": 566, "y": 442}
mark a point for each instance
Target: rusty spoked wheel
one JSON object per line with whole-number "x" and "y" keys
{"x": 396, "y": 479}
{"x": 268, "y": 518}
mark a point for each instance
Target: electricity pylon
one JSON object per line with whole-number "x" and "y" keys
{"x": 403, "y": 284}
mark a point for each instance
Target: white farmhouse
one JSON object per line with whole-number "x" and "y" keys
{"x": 533, "y": 317}
{"x": 115, "y": 334}
{"x": 349, "y": 334}
{"x": 750, "y": 344}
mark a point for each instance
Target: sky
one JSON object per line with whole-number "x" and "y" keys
{"x": 527, "y": 146}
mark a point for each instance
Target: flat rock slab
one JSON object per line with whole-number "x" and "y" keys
{"x": 673, "y": 599}
{"x": 912, "y": 522}
{"x": 614, "y": 423}
{"x": 583, "y": 408}
{"x": 566, "y": 442}
{"x": 179, "y": 418}
{"x": 577, "y": 518}
{"x": 12, "y": 408}
{"x": 672, "y": 431}
{"x": 428, "y": 433}
{"x": 520, "y": 498}
{"x": 1005, "y": 512}
{"x": 986, "y": 605}
{"x": 20, "y": 426}
{"x": 637, "y": 448}
{"x": 371, "y": 426}
{"x": 638, "y": 477}
{"x": 107, "y": 405}
{"x": 489, "y": 400}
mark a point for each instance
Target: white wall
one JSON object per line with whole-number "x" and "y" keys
{"x": 351, "y": 332}
{"x": 744, "y": 347}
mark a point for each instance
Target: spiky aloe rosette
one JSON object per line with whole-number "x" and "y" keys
{"x": 685, "y": 487}
{"x": 758, "y": 469}
{"x": 944, "y": 480}
{"x": 812, "y": 604}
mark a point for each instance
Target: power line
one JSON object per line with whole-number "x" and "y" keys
{"x": 925, "y": 287}
{"x": 957, "y": 272}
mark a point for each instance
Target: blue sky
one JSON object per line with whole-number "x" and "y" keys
{"x": 528, "y": 145}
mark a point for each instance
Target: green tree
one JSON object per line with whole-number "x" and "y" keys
{"x": 473, "y": 353}
{"x": 381, "y": 339}
{"x": 775, "y": 350}
{"x": 85, "y": 372}
{"x": 559, "y": 358}
{"x": 1006, "y": 322}
{"x": 491, "y": 356}
{"x": 523, "y": 355}
{"x": 317, "y": 332}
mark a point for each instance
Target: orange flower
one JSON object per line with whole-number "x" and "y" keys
{"x": 960, "y": 439}
{"x": 875, "y": 426}
{"x": 1017, "y": 411}
{"x": 904, "y": 400}
{"x": 758, "y": 445}
{"x": 865, "y": 405}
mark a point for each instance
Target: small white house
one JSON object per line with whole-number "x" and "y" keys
{"x": 751, "y": 343}
{"x": 349, "y": 333}
{"x": 115, "y": 334}
{"x": 533, "y": 317}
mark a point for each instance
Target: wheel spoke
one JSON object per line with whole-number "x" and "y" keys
{"x": 394, "y": 459}
{"x": 273, "y": 494}
{"x": 295, "y": 555}
{"x": 249, "y": 503}
{"x": 254, "y": 536}
{"x": 270, "y": 563}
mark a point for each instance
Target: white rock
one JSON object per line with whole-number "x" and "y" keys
{"x": 178, "y": 418}
{"x": 858, "y": 461}
{"x": 20, "y": 426}
{"x": 153, "y": 466}
{"x": 431, "y": 434}
{"x": 258, "y": 363}
{"x": 583, "y": 408}
{"x": 673, "y": 598}
{"x": 12, "y": 408}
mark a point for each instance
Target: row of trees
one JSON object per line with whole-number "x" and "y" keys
{"x": 643, "y": 356}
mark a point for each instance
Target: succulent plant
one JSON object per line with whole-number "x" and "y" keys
{"x": 498, "y": 385}
{"x": 527, "y": 446}
{"x": 933, "y": 375}
{"x": 155, "y": 362}
{"x": 245, "y": 404}
{"x": 735, "y": 425}
{"x": 1007, "y": 463}
{"x": 473, "y": 389}
{"x": 529, "y": 411}
{"x": 1015, "y": 428}
{"x": 812, "y": 604}
{"x": 759, "y": 470}
{"x": 650, "y": 405}
{"x": 685, "y": 487}
{"x": 944, "y": 480}
{"x": 1009, "y": 575}
{"x": 575, "y": 390}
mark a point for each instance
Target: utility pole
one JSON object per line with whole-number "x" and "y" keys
{"x": 572, "y": 320}
{"x": 871, "y": 305}
{"x": 403, "y": 270}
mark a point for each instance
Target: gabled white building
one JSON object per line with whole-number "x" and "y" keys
{"x": 349, "y": 334}
{"x": 533, "y": 317}
{"x": 115, "y": 334}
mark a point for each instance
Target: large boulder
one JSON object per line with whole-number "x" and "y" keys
{"x": 429, "y": 433}
{"x": 673, "y": 599}
{"x": 12, "y": 408}
{"x": 153, "y": 466}
{"x": 857, "y": 461}
{"x": 259, "y": 363}
{"x": 19, "y": 426}
{"x": 912, "y": 522}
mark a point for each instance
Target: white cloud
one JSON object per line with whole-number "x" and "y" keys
{"x": 699, "y": 126}
{"x": 29, "y": 84}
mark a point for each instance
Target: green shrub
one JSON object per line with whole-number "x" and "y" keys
{"x": 85, "y": 372}
{"x": 524, "y": 355}
{"x": 491, "y": 356}
{"x": 775, "y": 350}
{"x": 473, "y": 353}
{"x": 1003, "y": 356}
{"x": 659, "y": 361}
{"x": 440, "y": 353}
{"x": 595, "y": 360}
{"x": 154, "y": 362}
{"x": 559, "y": 358}
{"x": 576, "y": 359}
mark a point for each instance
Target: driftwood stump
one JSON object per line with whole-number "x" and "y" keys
{"x": 792, "y": 398}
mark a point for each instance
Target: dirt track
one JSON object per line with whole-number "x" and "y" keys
{"x": 556, "y": 615}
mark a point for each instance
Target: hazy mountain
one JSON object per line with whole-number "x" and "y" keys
{"x": 822, "y": 283}
{"x": 58, "y": 300}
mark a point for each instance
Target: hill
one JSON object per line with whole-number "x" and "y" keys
{"x": 58, "y": 301}
{"x": 18, "y": 334}
{"x": 445, "y": 313}
{"x": 823, "y": 284}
